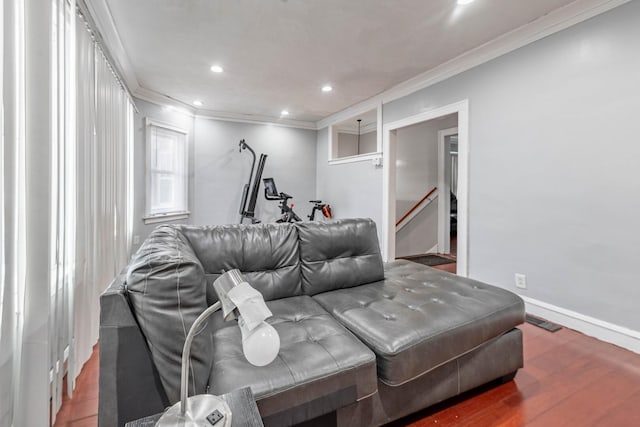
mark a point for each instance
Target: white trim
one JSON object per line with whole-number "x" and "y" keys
{"x": 426, "y": 202}
{"x": 389, "y": 139}
{"x": 154, "y": 219}
{"x": 150, "y": 218}
{"x": 433, "y": 250}
{"x": 355, "y": 159}
{"x": 389, "y": 177}
{"x": 600, "y": 329}
{"x": 362, "y": 107}
{"x": 254, "y": 119}
{"x": 159, "y": 123}
{"x": 444, "y": 205}
{"x": 333, "y": 135}
{"x": 164, "y": 100}
{"x": 553, "y": 22}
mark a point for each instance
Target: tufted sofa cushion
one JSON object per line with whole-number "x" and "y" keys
{"x": 266, "y": 254}
{"x": 166, "y": 287}
{"x": 338, "y": 254}
{"x": 321, "y": 366}
{"x": 419, "y": 318}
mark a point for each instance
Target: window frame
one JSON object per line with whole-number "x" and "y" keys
{"x": 153, "y": 216}
{"x": 375, "y": 156}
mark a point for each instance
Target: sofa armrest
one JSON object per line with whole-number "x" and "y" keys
{"x": 129, "y": 384}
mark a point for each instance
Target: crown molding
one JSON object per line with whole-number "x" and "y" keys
{"x": 255, "y": 119}
{"x": 110, "y": 40}
{"x": 164, "y": 100}
{"x": 350, "y": 112}
{"x": 553, "y": 22}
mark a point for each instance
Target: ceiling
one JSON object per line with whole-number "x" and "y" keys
{"x": 277, "y": 54}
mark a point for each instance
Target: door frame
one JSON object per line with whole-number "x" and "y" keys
{"x": 389, "y": 178}
{"x": 444, "y": 188}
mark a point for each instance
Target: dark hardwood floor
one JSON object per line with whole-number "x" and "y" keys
{"x": 82, "y": 409}
{"x": 568, "y": 379}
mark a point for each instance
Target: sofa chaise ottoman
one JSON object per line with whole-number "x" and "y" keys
{"x": 362, "y": 342}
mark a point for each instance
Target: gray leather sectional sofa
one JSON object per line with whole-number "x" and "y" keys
{"x": 362, "y": 342}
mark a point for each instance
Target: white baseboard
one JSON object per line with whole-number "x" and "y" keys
{"x": 433, "y": 250}
{"x": 604, "y": 331}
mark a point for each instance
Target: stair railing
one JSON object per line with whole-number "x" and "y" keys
{"x": 417, "y": 208}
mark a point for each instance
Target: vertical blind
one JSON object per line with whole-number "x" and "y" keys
{"x": 85, "y": 138}
{"x": 12, "y": 202}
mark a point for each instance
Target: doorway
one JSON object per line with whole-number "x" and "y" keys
{"x": 390, "y": 134}
{"x": 448, "y": 185}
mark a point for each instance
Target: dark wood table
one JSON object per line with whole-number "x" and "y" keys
{"x": 243, "y": 407}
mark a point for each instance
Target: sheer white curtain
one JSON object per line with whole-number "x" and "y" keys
{"x": 104, "y": 186}
{"x": 63, "y": 193}
{"x": 65, "y": 201}
{"x": 12, "y": 204}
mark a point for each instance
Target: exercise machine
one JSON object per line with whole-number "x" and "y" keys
{"x": 249, "y": 198}
{"x": 271, "y": 193}
{"x": 324, "y": 208}
{"x": 286, "y": 210}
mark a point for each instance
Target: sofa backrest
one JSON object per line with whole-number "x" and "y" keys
{"x": 166, "y": 286}
{"x": 338, "y": 254}
{"x": 169, "y": 278}
{"x": 266, "y": 254}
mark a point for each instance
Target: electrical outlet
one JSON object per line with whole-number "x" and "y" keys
{"x": 136, "y": 239}
{"x": 521, "y": 281}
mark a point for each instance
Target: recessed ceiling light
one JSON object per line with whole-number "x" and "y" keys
{"x": 327, "y": 88}
{"x": 465, "y": 1}
{"x": 284, "y": 113}
{"x": 216, "y": 69}
{"x": 198, "y": 103}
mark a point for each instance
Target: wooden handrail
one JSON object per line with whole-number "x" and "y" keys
{"x": 416, "y": 206}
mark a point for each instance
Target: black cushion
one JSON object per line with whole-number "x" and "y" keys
{"x": 419, "y": 318}
{"x": 338, "y": 254}
{"x": 266, "y": 254}
{"x": 320, "y": 362}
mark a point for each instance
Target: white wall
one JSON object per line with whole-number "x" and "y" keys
{"x": 218, "y": 172}
{"x": 352, "y": 189}
{"x": 553, "y": 166}
{"x": 348, "y": 143}
{"x": 420, "y": 235}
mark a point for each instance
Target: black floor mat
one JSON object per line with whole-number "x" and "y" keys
{"x": 430, "y": 260}
{"x": 541, "y": 323}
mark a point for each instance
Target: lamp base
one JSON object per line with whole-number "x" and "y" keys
{"x": 198, "y": 409}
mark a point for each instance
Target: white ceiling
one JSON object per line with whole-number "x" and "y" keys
{"x": 277, "y": 54}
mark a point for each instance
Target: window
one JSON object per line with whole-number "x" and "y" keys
{"x": 356, "y": 138}
{"x": 167, "y": 164}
